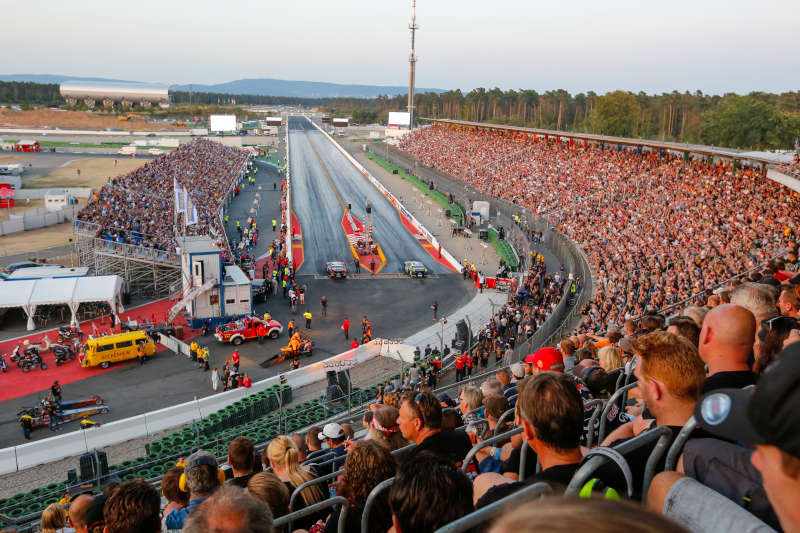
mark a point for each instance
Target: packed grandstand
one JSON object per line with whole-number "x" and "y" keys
{"x": 654, "y": 391}
{"x": 138, "y": 208}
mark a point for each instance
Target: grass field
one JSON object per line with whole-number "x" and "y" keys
{"x": 503, "y": 249}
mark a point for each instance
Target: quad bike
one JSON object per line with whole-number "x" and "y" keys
{"x": 63, "y": 353}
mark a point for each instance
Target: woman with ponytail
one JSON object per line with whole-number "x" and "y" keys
{"x": 283, "y": 456}
{"x": 384, "y": 429}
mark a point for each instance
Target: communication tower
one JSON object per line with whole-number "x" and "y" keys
{"x": 412, "y": 60}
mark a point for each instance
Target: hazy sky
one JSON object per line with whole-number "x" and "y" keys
{"x": 713, "y": 45}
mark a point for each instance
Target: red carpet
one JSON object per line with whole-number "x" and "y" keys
{"x": 297, "y": 246}
{"x": 17, "y": 383}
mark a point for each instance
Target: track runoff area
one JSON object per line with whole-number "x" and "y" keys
{"x": 330, "y": 198}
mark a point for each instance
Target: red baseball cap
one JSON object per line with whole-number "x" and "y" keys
{"x": 546, "y": 359}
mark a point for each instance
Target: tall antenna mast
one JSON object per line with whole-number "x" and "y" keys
{"x": 412, "y": 60}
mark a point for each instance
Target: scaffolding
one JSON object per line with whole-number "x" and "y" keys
{"x": 148, "y": 273}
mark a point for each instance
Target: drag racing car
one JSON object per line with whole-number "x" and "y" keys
{"x": 336, "y": 269}
{"x": 238, "y": 331}
{"x": 50, "y": 413}
{"x": 415, "y": 269}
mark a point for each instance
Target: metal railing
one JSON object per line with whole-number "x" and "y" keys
{"x": 313, "y": 509}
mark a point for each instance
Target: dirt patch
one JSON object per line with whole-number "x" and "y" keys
{"x": 76, "y": 120}
{"x": 13, "y": 158}
{"x": 90, "y": 172}
{"x": 36, "y": 239}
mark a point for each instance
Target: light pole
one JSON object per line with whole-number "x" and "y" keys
{"x": 442, "y": 321}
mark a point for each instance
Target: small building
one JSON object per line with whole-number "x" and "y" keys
{"x": 57, "y": 199}
{"x": 238, "y": 291}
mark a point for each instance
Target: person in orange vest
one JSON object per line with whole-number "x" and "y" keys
{"x": 460, "y": 362}
{"x": 290, "y": 328}
{"x": 261, "y": 331}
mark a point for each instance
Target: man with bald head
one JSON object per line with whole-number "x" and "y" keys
{"x": 77, "y": 513}
{"x": 726, "y": 347}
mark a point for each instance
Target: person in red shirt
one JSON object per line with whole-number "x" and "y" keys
{"x": 261, "y": 331}
{"x": 247, "y": 382}
{"x": 346, "y": 328}
{"x": 235, "y": 360}
{"x": 469, "y": 358}
{"x": 354, "y": 345}
{"x": 460, "y": 361}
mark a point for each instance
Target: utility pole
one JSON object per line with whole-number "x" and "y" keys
{"x": 412, "y": 60}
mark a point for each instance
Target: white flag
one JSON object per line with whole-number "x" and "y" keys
{"x": 180, "y": 204}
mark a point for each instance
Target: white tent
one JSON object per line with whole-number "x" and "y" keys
{"x": 29, "y": 294}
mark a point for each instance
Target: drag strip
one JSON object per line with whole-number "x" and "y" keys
{"x": 315, "y": 202}
{"x": 397, "y": 243}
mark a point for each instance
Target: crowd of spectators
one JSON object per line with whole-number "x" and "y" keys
{"x": 138, "y": 207}
{"x": 793, "y": 168}
{"x": 656, "y": 228}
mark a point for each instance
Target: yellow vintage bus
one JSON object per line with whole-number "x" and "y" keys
{"x": 102, "y": 351}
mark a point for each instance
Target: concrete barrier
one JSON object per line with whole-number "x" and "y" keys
{"x": 38, "y": 194}
{"x": 52, "y": 449}
{"x": 8, "y": 460}
{"x": 113, "y": 432}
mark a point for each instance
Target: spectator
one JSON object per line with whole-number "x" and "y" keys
{"x": 384, "y": 430}
{"x": 697, "y": 314}
{"x": 95, "y": 521}
{"x": 314, "y": 443}
{"x": 670, "y": 377}
{"x": 757, "y": 298}
{"x": 349, "y": 433}
{"x": 302, "y": 447}
{"x": 282, "y": 456}
{"x": 368, "y": 463}
{"x": 469, "y": 399}
{"x": 428, "y": 493}
{"x": 551, "y": 412}
{"x": 333, "y": 434}
{"x": 78, "y": 509}
{"x": 567, "y": 349}
{"x": 610, "y": 358}
{"x": 770, "y": 339}
{"x": 509, "y": 387}
{"x": 420, "y": 421}
{"x": 726, "y": 347}
{"x": 134, "y": 507}
{"x": 171, "y": 491}
{"x": 764, "y": 419}
{"x": 686, "y": 327}
{"x": 491, "y": 387}
{"x": 268, "y": 488}
{"x": 202, "y": 477}
{"x": 789, "y": 303}
{"x": 54, "y": 519}
{"x": 568, "y": 515}
{"x": 231, "y": 510}
{"x": 241, "y": 458}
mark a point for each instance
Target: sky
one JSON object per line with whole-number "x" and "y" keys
{"x": 715, "y": 46}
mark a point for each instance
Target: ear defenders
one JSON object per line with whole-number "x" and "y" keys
{"x": 199, "y": 461}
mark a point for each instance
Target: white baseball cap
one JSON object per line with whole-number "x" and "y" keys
{"x": 331, "y": 431}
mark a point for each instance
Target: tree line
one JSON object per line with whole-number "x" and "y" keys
{"x": 757, "y": 120}
{"x": 23, "y": 92}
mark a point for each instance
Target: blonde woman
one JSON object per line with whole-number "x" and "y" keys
{"x": 54, "y": 518}
{"x": 282, "y": 455}
{"x": 610, "y": 357}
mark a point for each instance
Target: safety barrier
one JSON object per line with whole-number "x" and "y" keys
{"x": 81, "y": 441}
{"x": 394, "y": 201}
{"x": 289, "y": 232}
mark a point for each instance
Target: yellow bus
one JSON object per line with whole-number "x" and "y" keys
{"x": 102, "y": 351}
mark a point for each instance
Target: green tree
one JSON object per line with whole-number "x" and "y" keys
{"x": 615, "y": 113}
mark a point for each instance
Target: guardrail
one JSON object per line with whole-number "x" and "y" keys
{"x": 289, "y": 232}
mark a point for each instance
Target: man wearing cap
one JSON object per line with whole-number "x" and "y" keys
{"x": 333, "y": 435}
{"x": 202, "y": 479}
{"x": 763, "y": 418}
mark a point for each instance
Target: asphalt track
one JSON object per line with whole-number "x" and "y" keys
{"x": 324, "y": 182}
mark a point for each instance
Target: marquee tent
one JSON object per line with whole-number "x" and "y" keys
{"x": 29, "y": 294}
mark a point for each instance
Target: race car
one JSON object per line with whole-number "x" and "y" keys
{"x": 238, "y": 331}
{"x": 336, "y": 269}
{"x": 415, "y": 269}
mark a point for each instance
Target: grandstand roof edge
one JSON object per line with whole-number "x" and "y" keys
{"x": 727, "y": 153}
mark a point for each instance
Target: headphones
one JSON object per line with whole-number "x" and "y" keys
{"x": 199, "y": 461}
{"x": 595, "y": 485}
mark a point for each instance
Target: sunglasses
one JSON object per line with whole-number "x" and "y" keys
{"x": 786, "y": 321}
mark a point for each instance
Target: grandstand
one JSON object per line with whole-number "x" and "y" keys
{"x": 129, "y": 226}
{"x": 680, "y": 263}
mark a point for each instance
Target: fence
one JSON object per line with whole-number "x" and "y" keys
{"x": 36, "y": 194}
{"x": 36, "y": 218}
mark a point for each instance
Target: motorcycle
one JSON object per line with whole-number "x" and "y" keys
{"x": 15, "y": 354}
{"x": 66, "y": 333}
{"x": 62, "y": 352}
{"x": 31, "y": 359}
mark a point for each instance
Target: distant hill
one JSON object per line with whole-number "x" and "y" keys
{"x": 257, "y": 86}
{"x": 51, "y": 78}
{"x": 300, "y": 89}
